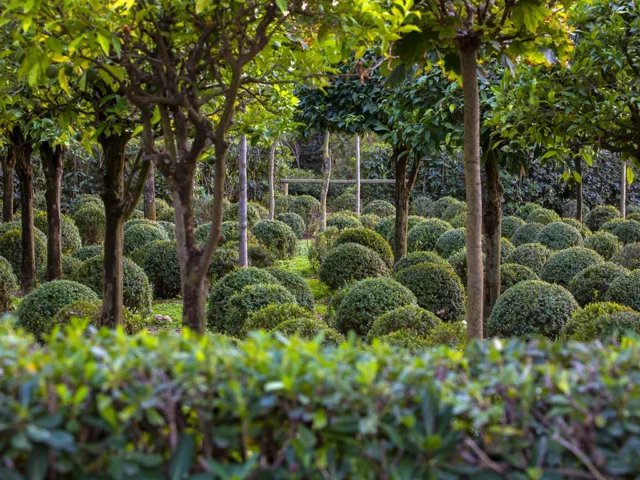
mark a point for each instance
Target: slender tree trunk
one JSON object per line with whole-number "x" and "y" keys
{"x": 358, "y": 173}
{"x": 8, "y": 167}
{"x": 272, "y": 180}
{"x": 150, "y": 195}
{"x": 623, "y": 190}
{"x": 402, "y": 194}
{"x": 52, "y": 166}
{"x": 325, "y": 186}
{"x": 469, "y": 62}
{"x": 23, "y": 148}
{"x": 242, "y": 203}
{"x": 493, "y": 234}
{"x": 579, "y": 189}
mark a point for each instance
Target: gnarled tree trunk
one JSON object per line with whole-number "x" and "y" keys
{"x": 52, "y": 166}
{"x": 8, "y": 168}
{"x": 325, "y": 186}
{"x": 493, "y": 233}
{"x": 23, "y": 148}
{"x": 242, "y": 203}
{"x": 468, "y": 48}
{"x": 272, "y": 180}
{"x": 358, "y": 173}
{"x": 150, "y": 195}
{"x": 403, "y": 186}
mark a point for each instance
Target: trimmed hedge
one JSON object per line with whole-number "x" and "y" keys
{"x": 322, "y": 244}
{"x": 277, "y": 237}
{"x": 140, "y": 235}
{"x": 601, "y": 215}
{"x": 423, "y": 237}
{"x": 159, "y": 260}
{"x": 562, "y": 266}
{"x": 36, "y": 311}
{"x": 253, "y": 214}
{"x": 69, "y": 234}
{"x": 523, "y": 211}
{"x": 8, "y": 284}
{"x": 438, "y": 415}
{"x": 309, "y": 209}
{"x": 11, "y": 249}
{"x": 88, "y": 251}
{"x": 627, "y": 231}
{"x": 531, "y": 308}
{"x": 628, "y": 256}
{"x": 438, "y": 207}
{"x": 543, "y": 216}
{"x": 625, "y": 290}
{"x": 421, "y": 206}
{"x": 611, "y": 225}
{"x": 513, "y": 273}
{"x": 449, "y": 334}
{"x": 437, "y": 289}
{"x": 91, "y": 310}
{"x": 382, "y": 208}
{"x": 84, "y": 199}
{"x": 510, "y": 225}
{"x": 349, "y": 263}
{"x": 70, "y": 266}
{"x": 309, "y": 329}
{"x": 606, "y": 244}
{"x": 559, "y": 236}
{"x": 532, "y": 255}
{"x": 271, "y": 316}
{"x": 418, "y": 321}
{"x": 451, "y": 242}
{"x": 345, "y": 202}
{"x": 368, "y": 239}
{"x": 526, "y": 233}
{"x": 169, "y": 228}
{"x": 386, "y": 227}
{"x": 581, "y": 227}
{"x": 295, "y": 221}
{"x": 343, "y": 220}
{"x": 368, "y": 299}
{"x": 370, "y": 220}
{"x": 416, "y": 258}
{"x": 454, "y": 210}
{"x": 90, "y": 220}
{"x": 296, "y": 284}
{"x": 600, "y": 321}
{"x": 592, "y": 283}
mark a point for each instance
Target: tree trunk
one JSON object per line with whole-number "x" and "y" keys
{"x": 325, "y": 186}
{"x": 272, "y": 180}
{"x": 242, "y": 203}
{"x": 52, "y": 166}
{"x": 8, "y": 167}
{"x": 623, "y": 190}
{"x": 579, "y": 189}
{"x": 358, "y": 173}
{"x": 469, "y": 62}
{"x": 150, "y": 195}
{"x": 23, "y": 148}
{"x": 402, "y": 194}
{"x": 493, "y": 234}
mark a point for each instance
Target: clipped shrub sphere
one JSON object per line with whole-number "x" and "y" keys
{"x": 11, "y": 250}
{"x": 454, "y": 210}
{"x": 8, "y": 284}
{"x": 271, "y": 316}
{"x": 231, "y": 214}
{"x": 451, "y": 242}
{"x": 437, "y": 289}
{"x": 381, "y": 208}
{"x": 343, "y": 220}
{"x": 510, "y": 225}
{"x": 277, "y": 237}
{"x": 424, "y": 236}
{"x": 628, "y": 256}
{"x": 91, "y": 310}
{"x": 295, "y": 221}
{"x": 345, "y": 202}
{"x": 513, "y": 273}
{"x": 532, "y": 255}
{"x": 600, "y": 215}
{"x": 85, "y": 199}
{"x": 367, "y": 300}
{"x": 309, "y": 208}
{"x": 421, "y": 206}
{"x": 562, "y": 266}
{"x": 349, "y": 263}
{"x": 611, "y": 225}
{"x": 570, "y": 209}
{"x": 90, "y": 220}
{"x": 296, "y": 284}
{"x": 627, "y": 231}
{"x": 370, "y": 220}
{"x": 559, "y": 236}
{"x": 69, "y": 234}
{"x": 606, "y": 244}
{"x": 308, "y": 329}
{"x": 526, "y": 233}
{"x": 543, "y": 216}
{"x": 581, "y": 227}
{"x": 531, "y": 308}
{"x": 416, "y": 258}
{"x": 587, "y": 324}
{"x": 138, "y": 221}
{"x": 69, "y": 266}
{"x": 169, "y": 228}
{"x": 625, "y": 290}
{"x": 140, "y": 235}
{"x": 592, "y": 283}
{"x": 523, "y": 211}
{"x": 411, "y": 317}
{"x": 438, "y": 207}
{"x": 368, "y": 239}
{"x": 88, "y": 251}
{"x": 159, "y": 260}
{"x": 386, "y": 227}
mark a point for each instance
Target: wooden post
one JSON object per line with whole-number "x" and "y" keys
{"x": 285, "y": 189}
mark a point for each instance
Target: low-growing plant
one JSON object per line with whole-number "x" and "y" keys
{"x": 369, "y": 239}
{"x": 421, "y": 206}
{"x": 601, "y": 215}
{"x": 423, "y": 237}
{"x": 559, "y": 236}
{"x": 513, "y": 273}
{"x": 140, "y": 235}
{"x": 592, "y": 283}
{"x": 583, "y": 326}
{"x": 415, "y": 258}
{"x": 628, "y": 256}
{"x": 562, "y": 266}
{"x": 451, "y": 242}
{"x": 369, "y": 220}
{"x": 410, "y": 317}
{"x": 296, "y": 284}
{"x": 88, "y": 251}
{"x": 90, "y": 220}
{"x": 295, "y": 221}
{"x": 309, "y": 329}
{"x": 510, "y": 224}
{"x": 606, "y": 244}
{"x": 381, "y": 208}
{"x": 527, "y": 233}
{"x": 543, "y": 216}
{"x": 627, "y": 231}
{"x": 625, "y": 290}
{"x": 322, "y": 244}
{"x": 271, "y": 316}
{"x": 343, "y": 220}
{"x": 350, "y": 262}
{"x": 532, "y": 255}
{"x": 309, "y": 209}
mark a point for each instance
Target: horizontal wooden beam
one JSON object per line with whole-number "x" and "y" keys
{"x": 364, "y": 181}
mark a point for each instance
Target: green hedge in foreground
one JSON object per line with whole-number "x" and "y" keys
{"x": 109, "y": 406}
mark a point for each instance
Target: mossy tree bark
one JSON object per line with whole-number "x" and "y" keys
{"x": 8, "y": 169}
{"x": 493, "y": 233}
{"x": 358, "y": 173}
{"x": 579, "y": 190}
{"x": 404, "y": 184}
{"x": 242, "y": 203}
{"x": 325, "y": 186}
{"x": 52, "y": 166}
{"x": 272, "y": 180}
{"x": 150, "y": 195}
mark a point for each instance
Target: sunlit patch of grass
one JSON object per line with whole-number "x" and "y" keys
{"x": 167, "y": 314}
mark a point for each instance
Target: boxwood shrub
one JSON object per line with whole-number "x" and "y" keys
{"x": 627, "y": 231}
{"x": 421, "y": 206}
{"x": 562, "y": 266}
{"x": 386, "y": 227}
{"x": 271, "y": 316}
{"x": 543, "y": 216}
{"x": 584, "y": 319}
{"x": 526, "y": 233}
{"x": 295, "y": 221}
{"x": 91, "y": 310}
{"x": 368, "y": 299}
{"x": 253, "y": 214}
{"x": 454, "y": 210}
{"x": 628, "y": 256}
{"x": 369, "y": 220}
{"x": 569, "y": 209}
{"x": 69, "y": 266}
{"x": 169, "y": 228}
{"x": 8, "y": 284}
{"x": 369, "y": 239}
{"x": 88, "y": 251}
{"x": 140, "y": 235}
{"x": 523, "y": 211}
{"x": 309, "y": 209}
{"x": 309, "y": 329}
{"x": 625, "y": 290}
{"x": 296, "y": 284}
{"x": 343, "y": 220}
{"x": 513, "y": 273}
{"x": 349, "y": 263}
{"x": 608, "y": 326}
{"x": 424, "y": 236}
{"x": 510, "y": 224}
{"x": 451, "y": 242}
{"x": 11, "y": 250}
{"x": 532, "y": 255}
{"x": 414, "y": 258}
{"x": 592, "y": 283}
{"x": 345, "y": 202}
{"x": 90, "y": 220}
{"x": 159, "y": 260}
{"x": 437, "y": 289}
{"x": 36, "y": 311}
{"x": 438, "y": 207}
{"x": 69, "y": 234}
{"x": 559, "y": 236}
{"x": 531, "y": 308}
{"x": 601, "y": 215}
{"x": 277, "y": 237}
{"x": 611, "y": 225}
{"x": 418, "y": 321}
{"x": 606, "y": 244}
{"x": 322, "y": 243}
{"x": 84, "y": 199}
{"x": 381, "y": 208}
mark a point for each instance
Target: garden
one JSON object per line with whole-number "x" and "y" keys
{"x": 282, "y": 239}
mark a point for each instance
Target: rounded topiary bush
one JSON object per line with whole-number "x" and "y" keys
{"x": 458, "y": 261}
{"x": 69, "y": 266}
{"x": 510, "y": 225}
{"x": 611, "y": 225}
{"x": 251, "y": 299}
{"x": 367, "y": 300}
{"x": 625, "y": 290}
{"x": 451, "y": 242}
{"x": 386, "y": 227}
{"x": 562, "y": 266}
{"x": 559, "y": 236}
{"x": 277, "y": 237}
{"x": 418, "y": 321}
{"x": 8, "y": 284}
{"x": 321, "y": 246}
{"x": 438, "y": 207}
{"x": 85, "y": 199}
{"x": 140, "y": 235}
{"x": 296, "y": 284}
{"x": 159, "y": 260}
{"x": 309, "y": 209}
{"x": 592, "y": 283}
{"x": 223, "y": 261}
{"x": 136, "y": 291}
{"x": 295, "y": 221}
{"x": 437, "y": 289}
{"x": 11, "y": 249}
{"x": 308, "y": 329}
{"x": 606, "y": 244}
{"x": 523, "y": 211}
{"x": 581, "y": 227}
{"x": 90, "y": 221}
{"x": 381, "y": 208}
{"x": 138, "y": 221}
{"x": 543, "y": 216}
{"x": 531, "y": 308}
{"x": 532, "y": 255}
{"x": 88, "y": 251}
{"x": 601, "y": 215}
{"x": 587, "y": 324}
{"x": 513, "y": 273}
{"x": 169, "y": 228}
{"x": 424, "y": 236}
{"x": 164, "y": 211}
{"x": 506, "y": 249}
{"x": 370, "y": 220}
{"x": 421, "y": 206}
{"x": 36, "y": 311}
{"x": 570, "y": 209}
{"x": 634, "y": 216}
{"x": 228, "y": 286}
{"x": 5, "y": 227}
{"x": 526, "y": 233}
{"x": 454, "y": 210}
{"x": 349, "y": 263}
{"x": 369, "y": 239}
{"x": 271, "y": 316}
{"x": 91, "y": 311}
{"x": 416, "y": 258}
{"x": 69, "y": 234}
{"x": 342, "y": 221}
{"x": 253, "y": 214}
{"x": 452, "y": 335}
{"x": 459, "y": 221}
{"x": 345, "y": 202}
{"x": 627, "y": 231}
{"x": 628, "y": 256}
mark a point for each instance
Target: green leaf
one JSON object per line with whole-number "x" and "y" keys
{"x": 104, "y": 42}
{"x": 282, "y": 5}
{"x": 200, "y": 5}
{"x": 630, "y": 175}
{"x": 183, "y": 458}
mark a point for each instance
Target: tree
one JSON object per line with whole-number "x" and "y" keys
{"x": 457, "y": 33}
{"x": 8, "y": 159}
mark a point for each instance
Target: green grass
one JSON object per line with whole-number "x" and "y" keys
{"x": 168, "y": 309}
